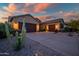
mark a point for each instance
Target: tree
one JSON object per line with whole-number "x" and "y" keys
{"x": 74, "y": 24}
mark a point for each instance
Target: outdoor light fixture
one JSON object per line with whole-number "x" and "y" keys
{"x": 15, "y": 25}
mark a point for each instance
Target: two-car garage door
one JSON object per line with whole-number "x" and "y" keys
{"x": 29, "y": 27}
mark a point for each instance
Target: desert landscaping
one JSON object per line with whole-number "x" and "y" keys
{"x": 43, "y": 44}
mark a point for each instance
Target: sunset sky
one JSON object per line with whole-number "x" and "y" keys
{"x": 44, "y": 11}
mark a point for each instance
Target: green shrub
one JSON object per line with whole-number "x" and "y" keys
{"x": 6, "y": 28}
{"x": 74, "y": 24}
{"x": 2, "y": 31}
{"x": 42, "y": 30}
{"x": 66, "y": 29}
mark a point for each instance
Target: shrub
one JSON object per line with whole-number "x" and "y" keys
{"x": 67, "y": 29}
{"x": 74, "y": 24}
{"x": 42, "y": 30}
{"x": 5, "y": 27}
{"x": 2, "y": 31}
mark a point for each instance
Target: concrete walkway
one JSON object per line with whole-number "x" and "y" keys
{"x": 60, "y": 42}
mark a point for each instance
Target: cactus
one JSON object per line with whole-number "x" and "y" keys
{"x": 23, "y": 33}
{"x": 20, "y": 37}
{"x": 18, "y": 44}
{"x": 7, "y": 30}
{"x": 23, "y": 29}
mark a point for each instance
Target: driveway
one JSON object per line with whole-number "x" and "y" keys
{"x": 59, "y": 42}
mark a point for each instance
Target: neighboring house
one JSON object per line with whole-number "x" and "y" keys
{"x": 34, "y": 24}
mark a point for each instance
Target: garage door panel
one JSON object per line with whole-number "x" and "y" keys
{"x": 52, "y": 27}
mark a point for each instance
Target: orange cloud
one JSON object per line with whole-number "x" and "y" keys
{"x": 32, "y": 8}
{"x": 10, "y": 8}
{"x": 40, "y": 7}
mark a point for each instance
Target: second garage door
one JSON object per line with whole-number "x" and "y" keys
{"x": 52, "y": 27}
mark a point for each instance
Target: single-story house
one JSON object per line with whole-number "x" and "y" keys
{"x": 34, "y": 24}
{"x": 52, "y": 25}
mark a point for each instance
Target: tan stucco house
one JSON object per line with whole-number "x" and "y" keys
{"x": 34, "y": 24}
{"x": 52, "y": 25}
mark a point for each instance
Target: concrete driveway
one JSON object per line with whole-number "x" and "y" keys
{"x": 59, "y": 42}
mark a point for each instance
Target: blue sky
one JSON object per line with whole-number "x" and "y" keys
{"x": 3, "y": 4}
{"x": 41, "y": 10}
